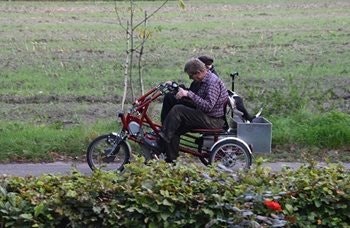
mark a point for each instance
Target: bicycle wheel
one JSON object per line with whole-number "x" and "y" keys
{"x": 100, "y": 153}
{"x": 231, "y": 154}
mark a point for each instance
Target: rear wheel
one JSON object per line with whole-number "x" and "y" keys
{"x": 100, "y": 153}
{"x": 231, "y": 154}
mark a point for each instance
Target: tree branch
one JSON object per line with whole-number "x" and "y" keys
{"x": 118, "y": 17}
{"x": 150, "y": 15}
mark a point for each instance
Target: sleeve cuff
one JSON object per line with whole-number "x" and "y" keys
{"x": 190, "y": 94}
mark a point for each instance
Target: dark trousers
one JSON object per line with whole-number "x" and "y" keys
{"x": 169, "y": 101}
{"x": 182, "y": 119}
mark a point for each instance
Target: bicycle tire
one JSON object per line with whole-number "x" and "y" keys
{"x": 231, "y": 154}
{"x": 98, "y": 157}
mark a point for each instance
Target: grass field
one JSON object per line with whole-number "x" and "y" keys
{"x": 61, "y": 68}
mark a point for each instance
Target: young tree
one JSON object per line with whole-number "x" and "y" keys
{"x": 137, "y": 34}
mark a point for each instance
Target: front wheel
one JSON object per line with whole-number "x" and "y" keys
{"x": 231, "y": 154}
{"x": 108, "y": 153}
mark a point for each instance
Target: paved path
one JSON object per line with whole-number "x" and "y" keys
{"x": 37, "y": 169}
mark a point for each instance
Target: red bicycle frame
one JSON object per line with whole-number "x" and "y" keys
{"x": 138, "y": 115}
{"x": 212, "y": 146}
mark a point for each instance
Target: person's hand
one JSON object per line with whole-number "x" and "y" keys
{"x": 182, "y": 93}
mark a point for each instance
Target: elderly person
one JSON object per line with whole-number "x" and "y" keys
{"x": 207, "y": 111}
{"x": 169, "y": 99}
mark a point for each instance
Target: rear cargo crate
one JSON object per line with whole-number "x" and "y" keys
{"x": 258, "y": 133}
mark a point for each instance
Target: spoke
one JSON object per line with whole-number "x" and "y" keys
{"x": 231, "y": 157}
{"x": 102, "y": 157}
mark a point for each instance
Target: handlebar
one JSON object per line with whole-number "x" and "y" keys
{"x": 168, "y": 88}
{"x": 173, "y": 87}
{"x": 233, "y": 75}
{"x": 143, "y": 101}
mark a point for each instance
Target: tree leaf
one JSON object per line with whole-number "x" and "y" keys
{"x": 3, "y": 191}
{"x": 289, "y": 207}
{"x": 167, "y": 203}
{"x": 164, "y": 216}
{"x": 26, "y": 216}
{"x": 71, "y": 193}
{"x": 208, "y": 212}
{"x": 38, "y": 209}
{"x": 182, "y": 4}
{"x": 317, "y": 203}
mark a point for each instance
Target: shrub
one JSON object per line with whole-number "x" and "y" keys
{"x": 183, "y": 195}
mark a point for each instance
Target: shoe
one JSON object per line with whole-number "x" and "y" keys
{"x": 151, "y": 144}
{"x": 170, "y": 162}
{"x": 164, "y": 137}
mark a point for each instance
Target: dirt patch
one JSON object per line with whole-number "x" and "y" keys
{"x": 67, "y": 113}
{"x": 87, "y": 109}
{"x": 11, "y": 99}
{"x": 66, "y": 110}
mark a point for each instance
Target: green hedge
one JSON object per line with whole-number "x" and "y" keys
{"x": 160, "y": 195}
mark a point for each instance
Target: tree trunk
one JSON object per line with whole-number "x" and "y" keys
{"x": 131, "y": 50}
{"x": 126, "y": 66}
{"x": 144, "y": 38}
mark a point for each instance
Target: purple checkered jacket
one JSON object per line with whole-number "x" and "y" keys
{"x": 211, "y": 96}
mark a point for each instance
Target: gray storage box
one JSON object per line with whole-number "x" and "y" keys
{"x": 258, "y": 133}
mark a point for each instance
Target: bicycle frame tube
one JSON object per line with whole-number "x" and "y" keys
{"x": 138, "y": 113}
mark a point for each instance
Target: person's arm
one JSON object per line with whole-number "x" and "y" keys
{"x": 194, "y": 87}
{"x": 207, "y": 103}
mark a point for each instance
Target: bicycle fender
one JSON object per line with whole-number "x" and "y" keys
{"x": 232, "y": 138}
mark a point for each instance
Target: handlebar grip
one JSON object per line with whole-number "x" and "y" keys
{"x": 169, "y": 88}
{"x": 234, "y": 74}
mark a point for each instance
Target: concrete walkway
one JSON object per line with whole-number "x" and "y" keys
{"x": 37, "y": 169}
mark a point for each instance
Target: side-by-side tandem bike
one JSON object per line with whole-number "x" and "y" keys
{"x": 220, "y": 147}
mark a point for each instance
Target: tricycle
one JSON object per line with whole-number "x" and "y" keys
{"x": 216, "y": 147}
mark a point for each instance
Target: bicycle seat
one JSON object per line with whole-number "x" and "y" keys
{"x": 209, "y": 130}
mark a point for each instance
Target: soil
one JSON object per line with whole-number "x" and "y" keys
{"x": 87, "y": 109}
{"x": 68, "y": 110}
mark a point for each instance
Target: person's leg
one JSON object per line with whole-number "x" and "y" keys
{"x": 182, "y": 119}
{"x": 171, "y": 149}
{"x": 169, "y": 101}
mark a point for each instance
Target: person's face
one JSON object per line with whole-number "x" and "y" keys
{"x": 197, "y": 76}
